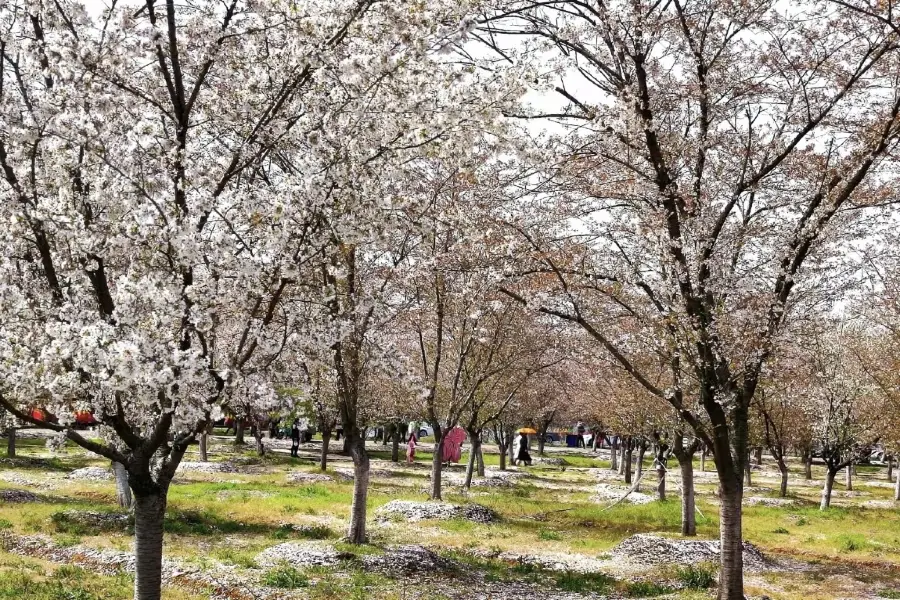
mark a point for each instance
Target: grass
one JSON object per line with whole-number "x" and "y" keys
{"x": 285, "y": 577}
{"x": 32, "y": 579}
{"x": 232, "y": 521}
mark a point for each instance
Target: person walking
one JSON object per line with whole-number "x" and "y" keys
{"x": 522, "y": 454}
{"x": 411, "y": 449}
{"x": 295, "y": 438}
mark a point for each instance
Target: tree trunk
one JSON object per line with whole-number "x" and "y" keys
{"x": 473, "y": 460}
{"x": 688, "y": 503}
{"x": 541, "y": 441}
{"x": 782, "y": 466}
{"x": 11, "y": 442}
{"x": 826, "y": 490}
{"x": 890, "y": 468}
{"x": 661, "y": 485}
{"x": 323, "y": 458}
{"x": 807, "y": 465}
{"x": 149, "y": 513}
{"x": 642, "y": 450}
{"x": 622, "y": 458}
{"x": 629, "y": 455}
{"x": 258, "y": 439}
{"x": 502, "y": 457}
{"x": 759, "y": 455}
{"x": 123, "y": 492}
{"x": 511, "y": 448}
{"x": 436, "y": 467}
{"x": 357, "y": 532}
{"x": 594, "y": 443}
{"x": 748, "y": 481}
{"x": 703, "y": 453}
{"x": 204, "y": 441}
{"x": 239, "y": 432}
{"x": 897, "y": 488}
{"x": 848, "y": 478}
{"x": 395, "y": 445}
{"x": 731, "y": 567}
{"x": 480, "y": 459}
{"x": 614, "y": 455}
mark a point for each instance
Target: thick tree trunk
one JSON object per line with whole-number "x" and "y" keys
{"x": 239, "y": 432}
{"x": 807, "y": 465}
{"x": 436, "y": 466}
{"x": 323, "y": 458}
{"x": 123, "y": 492}
{"x": 828, "y": 487}
{"x": 782, "y": 467}
{"x": 11, "y": 442}
{"x": 629, "y": 455}
{"x": 731, "y": 568}
{"x": 848, "y": 478}
{"x": 149, "y": 513}
{"x": 614, "y": 455}
{"x": 357, "y": 531}
{"x": 473, "y": 460}
{"x": 688, "y": 502}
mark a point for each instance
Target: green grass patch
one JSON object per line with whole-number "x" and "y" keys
{"x": 697, "y": 577}
{"x": 571, "y": 581}
{"x": 285, "y": 577}
{"x": 646, "y": 589}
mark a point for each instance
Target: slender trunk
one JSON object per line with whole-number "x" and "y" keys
{"x": 204, "y": 441}
{"x": 258, "y": 439}
{"x": 473, "y": 460}
{"x": 480, "y": 459}
{"x": 782, "y": 466}
{"x": 748, "y": 481}
{"x": 703, "y": 453}
{"x": 594, "y": 442}
{"x": 149, "y": 513}
{"x": 688, "y": 504}
{"x": 848, "y": 478}
{"x": 640, "y": 465}
{"x": 614, "y": 455}
{"x": 502, "y": 457}
{"x": 890, "y": 466}
{"x": 622, "y": 457}
{"x": 239, "y": 432}
{"x": 511, "y": 448}
{"x": 436, "y": 467}
{"x": 661, "y": 485}
{"x": 326, "y": 439}
{"x": 731, "y": 569}
{"x": 395, "y": 444}
{"x": 807, "y": 465}
{"x": 123, "y": 492}
{"x": 759, "y": 455}
{"x": 357, "y": 531}
{"x": 629, "y": 455}
{"x": 897, "y": 488}
{"x": 541, "y": 441}
{"x": 11, "y": 442}
{"x": 384, "y": 436}
{"x": 826, "y": 490}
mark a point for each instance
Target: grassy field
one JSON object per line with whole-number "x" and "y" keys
{"x": 229, "y": 518}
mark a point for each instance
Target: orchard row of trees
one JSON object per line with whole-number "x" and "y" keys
{"x": 438, "y": 205}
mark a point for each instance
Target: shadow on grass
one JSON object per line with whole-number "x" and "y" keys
{"x": 58, "y": 464}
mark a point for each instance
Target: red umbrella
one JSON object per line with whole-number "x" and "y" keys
{"x": 38, "y": 415}
{"x": 84, "y": 417}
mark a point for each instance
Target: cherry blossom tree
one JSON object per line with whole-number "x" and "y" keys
{"x": 698, "y": 183}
